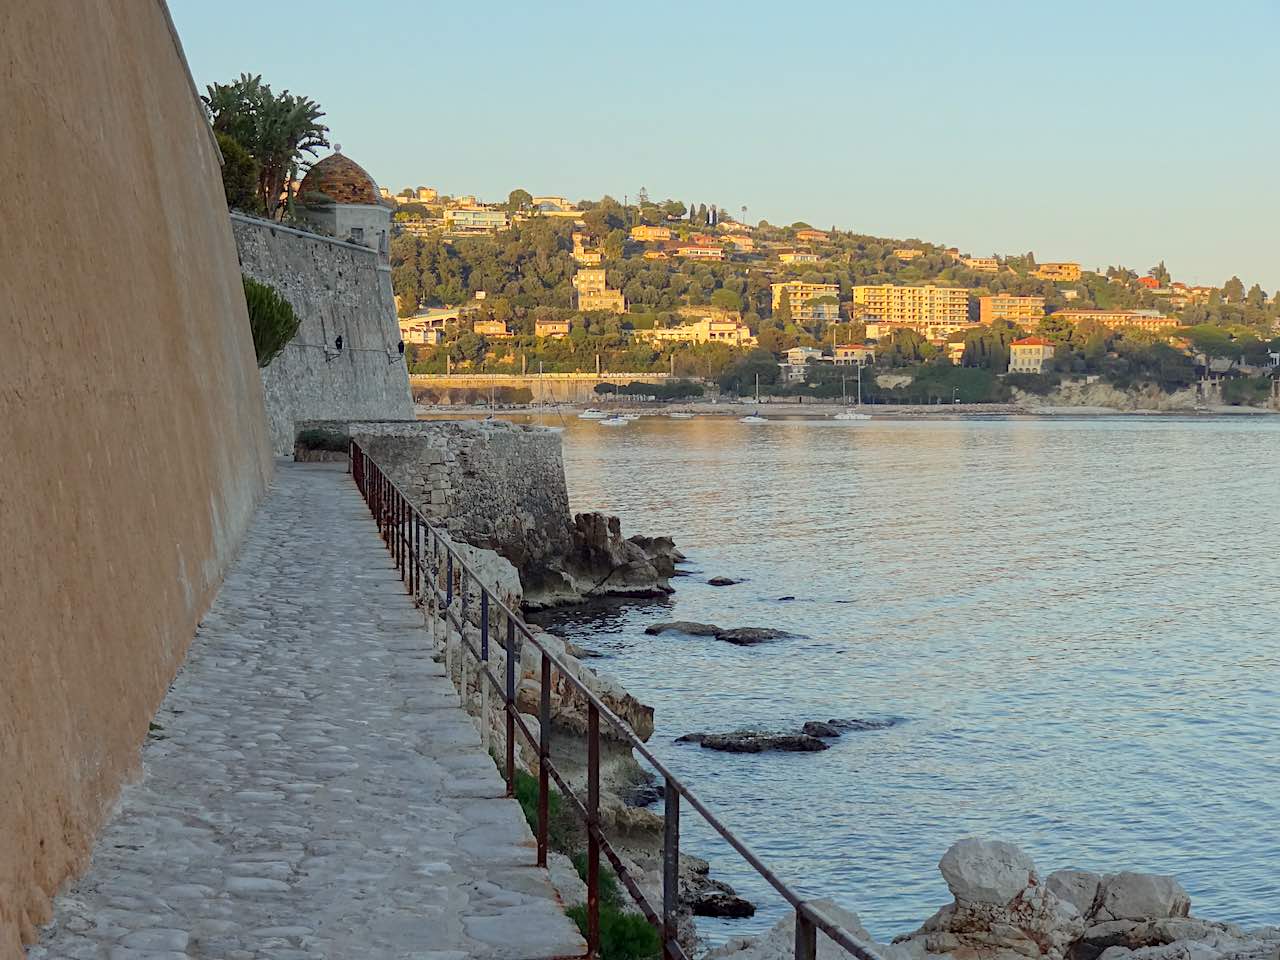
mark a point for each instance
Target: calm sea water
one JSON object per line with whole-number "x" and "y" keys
{"x": 1076, "y": 624}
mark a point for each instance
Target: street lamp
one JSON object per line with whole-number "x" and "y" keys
{"x": 955, "y": 395}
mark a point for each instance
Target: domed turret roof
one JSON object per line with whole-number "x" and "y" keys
{"x": 341, "y": 179}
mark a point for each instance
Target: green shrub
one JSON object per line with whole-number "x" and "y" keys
{"x": 563, "y": 829}
{"x": 1038, "y": 383}
{"x": 1252, "y": 391}
{"x": 271, "y": 318}
{"x": 623, "y": 936}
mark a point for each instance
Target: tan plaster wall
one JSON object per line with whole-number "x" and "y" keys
{"x": 133, "y": 444}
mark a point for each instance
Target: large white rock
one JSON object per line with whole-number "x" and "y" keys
{"x": 1139, "y": 896}
{"x": 986, "y": 871}
{"x": 1077, "y": 887}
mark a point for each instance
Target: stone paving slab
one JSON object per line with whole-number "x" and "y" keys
{"x": 313, "y": 788}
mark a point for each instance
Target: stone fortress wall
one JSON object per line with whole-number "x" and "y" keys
{"x": 337, "y": 289}
{"x": 133, "y": 440}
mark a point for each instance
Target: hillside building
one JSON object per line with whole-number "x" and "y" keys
{"x": 1004, "y": 306}
{"x": 803, "y": 298}
{"x": 1030, "y": 355}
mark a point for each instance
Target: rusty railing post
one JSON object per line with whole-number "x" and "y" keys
{"x": 670, "y": 865}
{"x": 593, "y": 824}
{"x": 544, "y": 757}
{"x": 806, "y": 938}
{"x": 510, "y": 699}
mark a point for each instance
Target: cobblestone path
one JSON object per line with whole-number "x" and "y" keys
{"x": 312, "y": 787}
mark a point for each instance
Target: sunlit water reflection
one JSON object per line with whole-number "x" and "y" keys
{"x": 1075, "y": 621}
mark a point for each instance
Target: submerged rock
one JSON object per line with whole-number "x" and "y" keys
{"x": 749, "y": 636}
{"x": 816, "y": 728}
{"x": 722, "y": 582}
{"x": 690, "y": 627}
{"x": 752, "y": 741}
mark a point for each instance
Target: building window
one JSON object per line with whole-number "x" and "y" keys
{"x": 357, "y": 234}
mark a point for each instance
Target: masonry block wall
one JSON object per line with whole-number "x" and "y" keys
{"x": 132, "y": 435}
{"x": 337, "y": 289}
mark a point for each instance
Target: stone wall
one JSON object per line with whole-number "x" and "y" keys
{"x": 131, "y": 416}
{"x": 495, "y": 485}
{"x": 336, "y": 288}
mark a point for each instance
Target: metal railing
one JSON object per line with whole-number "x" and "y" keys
{"x": 438, "y": 579}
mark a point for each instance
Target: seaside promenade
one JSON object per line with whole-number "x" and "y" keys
{"x": 311, "y": 786}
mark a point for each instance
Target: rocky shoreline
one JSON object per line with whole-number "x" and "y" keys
{"x": 1004, "y": 910}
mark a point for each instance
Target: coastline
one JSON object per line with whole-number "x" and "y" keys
{"x": 788, "y": 410}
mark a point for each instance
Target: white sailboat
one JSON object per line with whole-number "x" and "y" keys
{"x": 754, "y": 417}
{"x": 852, "y": 414}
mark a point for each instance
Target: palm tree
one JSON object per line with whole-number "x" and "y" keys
{"x": 275, "y": 130}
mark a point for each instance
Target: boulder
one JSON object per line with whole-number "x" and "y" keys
{"x": 986, "y": 871}
{"x": 599, "y": 561}
{"x": 1140, "y": 896}
{"x": 722, "y": 581}
{"x": 752, "y": 741}
{"x": 660, "y": 551}
{"x": 1077, "y": 887}
{"x": 1166, "y": 938}
{"x": 816, "y": 728}
{"x": 749, "y": 636}
{"x": 684, "y": 626}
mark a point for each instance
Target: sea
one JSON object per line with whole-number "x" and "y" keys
{"x": 1070, "y": 627}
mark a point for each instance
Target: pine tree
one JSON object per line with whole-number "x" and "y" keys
{"x": 782, "y": 316}
{"x": 693, "y": 213}
{"x": 713, "y": 215}
{"x": 702, "y": 214}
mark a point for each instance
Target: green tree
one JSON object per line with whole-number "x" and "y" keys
{"x": 1256, "y": 297}
{"x": 1160, "y": 273}
{"x": 519, "y": 201}
{"x": 1233, "y": 290}
{"x": 726, "y": 299}
{"x": 239, "y": 175}
{"x": 275, "y": 130}
{"x": 782, "y": 315}
{"x": 271, "y": 319}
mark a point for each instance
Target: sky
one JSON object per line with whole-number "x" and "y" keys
{"x": 1118, "y": 132}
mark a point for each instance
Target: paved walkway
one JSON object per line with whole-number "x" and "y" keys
{"x": 312, "y": 787}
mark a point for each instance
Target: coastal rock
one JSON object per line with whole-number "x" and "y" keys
{"x": 986, "y": 871}
{"x": 779, "y": 942}
{"x": 660, "y": 551}
{"x": 1168, "y": 938}
{"x": 857, "y": 723}
{"x": 749, "y": 636}
{"x": 600, "y": 561}
{"x": 690, "y": 627}
{"x": 1139, "y": 896}
{"x": 751, "y": 741}
{"x": 1077, "y": 887}
{"x": 816, "y": 728}
{"x": 722, "y": 582}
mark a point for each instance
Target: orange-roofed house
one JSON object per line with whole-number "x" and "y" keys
{"x": 813, "y": 236}
{"x": 1151, "y": 283}
{"x": 1029, "y": 355}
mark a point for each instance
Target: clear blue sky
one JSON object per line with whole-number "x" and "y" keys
{"x": 1120, "y": 132}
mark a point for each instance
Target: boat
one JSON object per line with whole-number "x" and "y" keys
{"x": 852, "y": 414}
{"x": 592, "y": 414}
{"x": 613, "y": 422}
{"x": 754, "y": 417}
{"x": 681, "y": 415}
{"x": 629, "y": 416}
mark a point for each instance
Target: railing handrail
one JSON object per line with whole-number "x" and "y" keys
{"x": 810, "y": 918}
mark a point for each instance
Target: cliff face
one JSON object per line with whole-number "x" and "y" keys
{"x": 131, "y": 418}
{"x": 336, "y": 289}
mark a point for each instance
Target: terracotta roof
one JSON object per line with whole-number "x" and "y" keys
{"x": 340, "y": 179}
{"x": 1033, "y": 342}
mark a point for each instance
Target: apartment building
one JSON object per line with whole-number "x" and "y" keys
{"x": 929, "y": 306}
{"x": 706, "y": 330}
{"x": 1029, "y": 355}
{"x": 646, "y": 234}
{"x": 491, "y": 328}
{"x": 1065, "y": 272}
{"x": 1003, "y": 306}
{"x": 802, "y": 297}
{"x": 982, "y": 264}
{"x": 938, "y": 330}
{"x": 908, "y": 253}
{"x": 1150, "y": 320}
{"x": 741, "y": 242}
{"x": 698, "y": 251}
{"x": 812, "y": 236}
{"x": 594, "y": 293}
{"x": 474, "y": 220}
{"x": 854, "y": 353}
{"x": 798, "y": 256}
{"x": 551, "y": 328}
